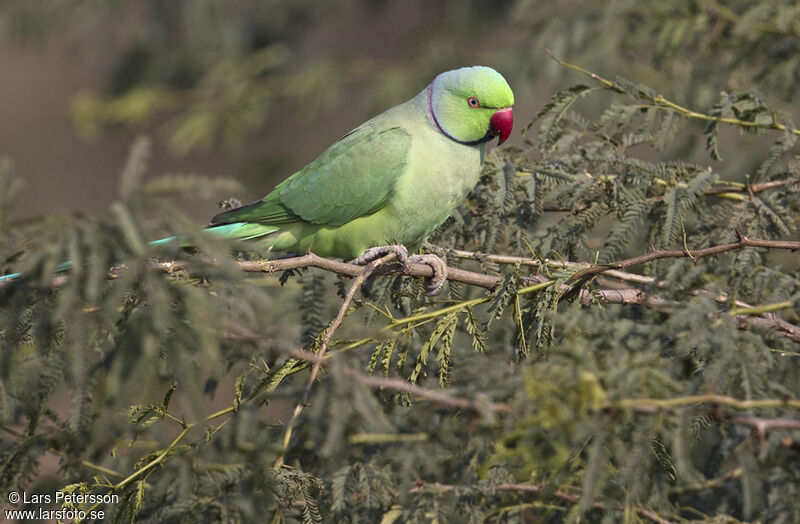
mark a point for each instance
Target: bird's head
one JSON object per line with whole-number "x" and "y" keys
{"x": 472, "y": 105}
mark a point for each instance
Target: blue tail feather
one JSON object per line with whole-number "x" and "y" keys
{"x": 14, "y": 276}
{"x": 162, "y": 241}
{"x": 238, "y": 230}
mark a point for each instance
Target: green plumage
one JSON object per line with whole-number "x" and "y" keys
{"x": 323, "y": 192}
{"x": 392, "y": 180}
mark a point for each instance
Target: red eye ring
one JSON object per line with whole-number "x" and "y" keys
{"x": 473, "y": 102}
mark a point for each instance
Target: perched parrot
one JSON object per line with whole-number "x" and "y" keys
{"x": 387, "y": 184}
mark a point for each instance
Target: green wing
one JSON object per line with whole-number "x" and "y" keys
{"x": 355, "y": 176}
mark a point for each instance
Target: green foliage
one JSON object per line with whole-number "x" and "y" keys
{"x": 547, "y": 398}
{"x": 582, "y": 435}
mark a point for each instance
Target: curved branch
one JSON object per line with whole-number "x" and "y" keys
{"x": 694, "y": 254}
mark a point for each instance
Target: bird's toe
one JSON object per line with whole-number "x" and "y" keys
{"x": 434, "y": 284}
{"x": 374, "y": 253}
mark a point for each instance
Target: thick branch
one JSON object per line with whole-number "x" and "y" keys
{"x": 463, "y": 276}
{"x": 611, "y": 296}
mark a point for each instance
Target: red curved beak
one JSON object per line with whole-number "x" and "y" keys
{"x": 502, "y": 122}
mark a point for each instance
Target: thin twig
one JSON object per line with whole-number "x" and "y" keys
{"x": 536, "y": 488}
{"x": 532, "y": 262}
{"x": 770, "y": 321}
{"x": 762, "y": 425}
{"x": 427, "y": 394}
{"x": 164, "y": 454}
{"x": 760, "y": 310}
{"x": 745, "y": 315}
{"x": 659, "y": 102}
{"x": 653, "y": 405}
{"x": 755, "y": 188}
{"x": 695, "y": 254}
{"x": 87, "y": 464}
{"x": 366, "y": 271}
{"x": 729, "y": 15}
{"x": 387, "y": 438}
{"x": 307, "y": 260}
{"x": 710, "y": 483}
{"x": 727, "y": 189}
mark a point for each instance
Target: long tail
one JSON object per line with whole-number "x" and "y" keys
{"x": 237, "y": 230}
{"x": 64, "y": 266}
{"x": 9, "y": 277}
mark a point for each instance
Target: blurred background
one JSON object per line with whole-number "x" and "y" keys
{"x": 254, "y": 89}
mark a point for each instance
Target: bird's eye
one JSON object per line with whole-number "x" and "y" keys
{"x": 473, "y": 102}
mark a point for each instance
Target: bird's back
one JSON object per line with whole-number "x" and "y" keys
{"x": 392, "y": 180}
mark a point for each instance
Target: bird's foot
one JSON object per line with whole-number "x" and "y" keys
{"x": 434, "y": 284}
{"x": 374, "y": 253}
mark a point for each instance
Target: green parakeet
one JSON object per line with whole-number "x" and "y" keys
{"x": 390, "y": 181}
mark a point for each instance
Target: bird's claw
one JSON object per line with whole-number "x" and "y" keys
{"x": 374, "y": 253}
{"x": 434, "y": 284}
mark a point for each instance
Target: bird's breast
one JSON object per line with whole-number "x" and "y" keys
{"x": 437, "y": 180}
